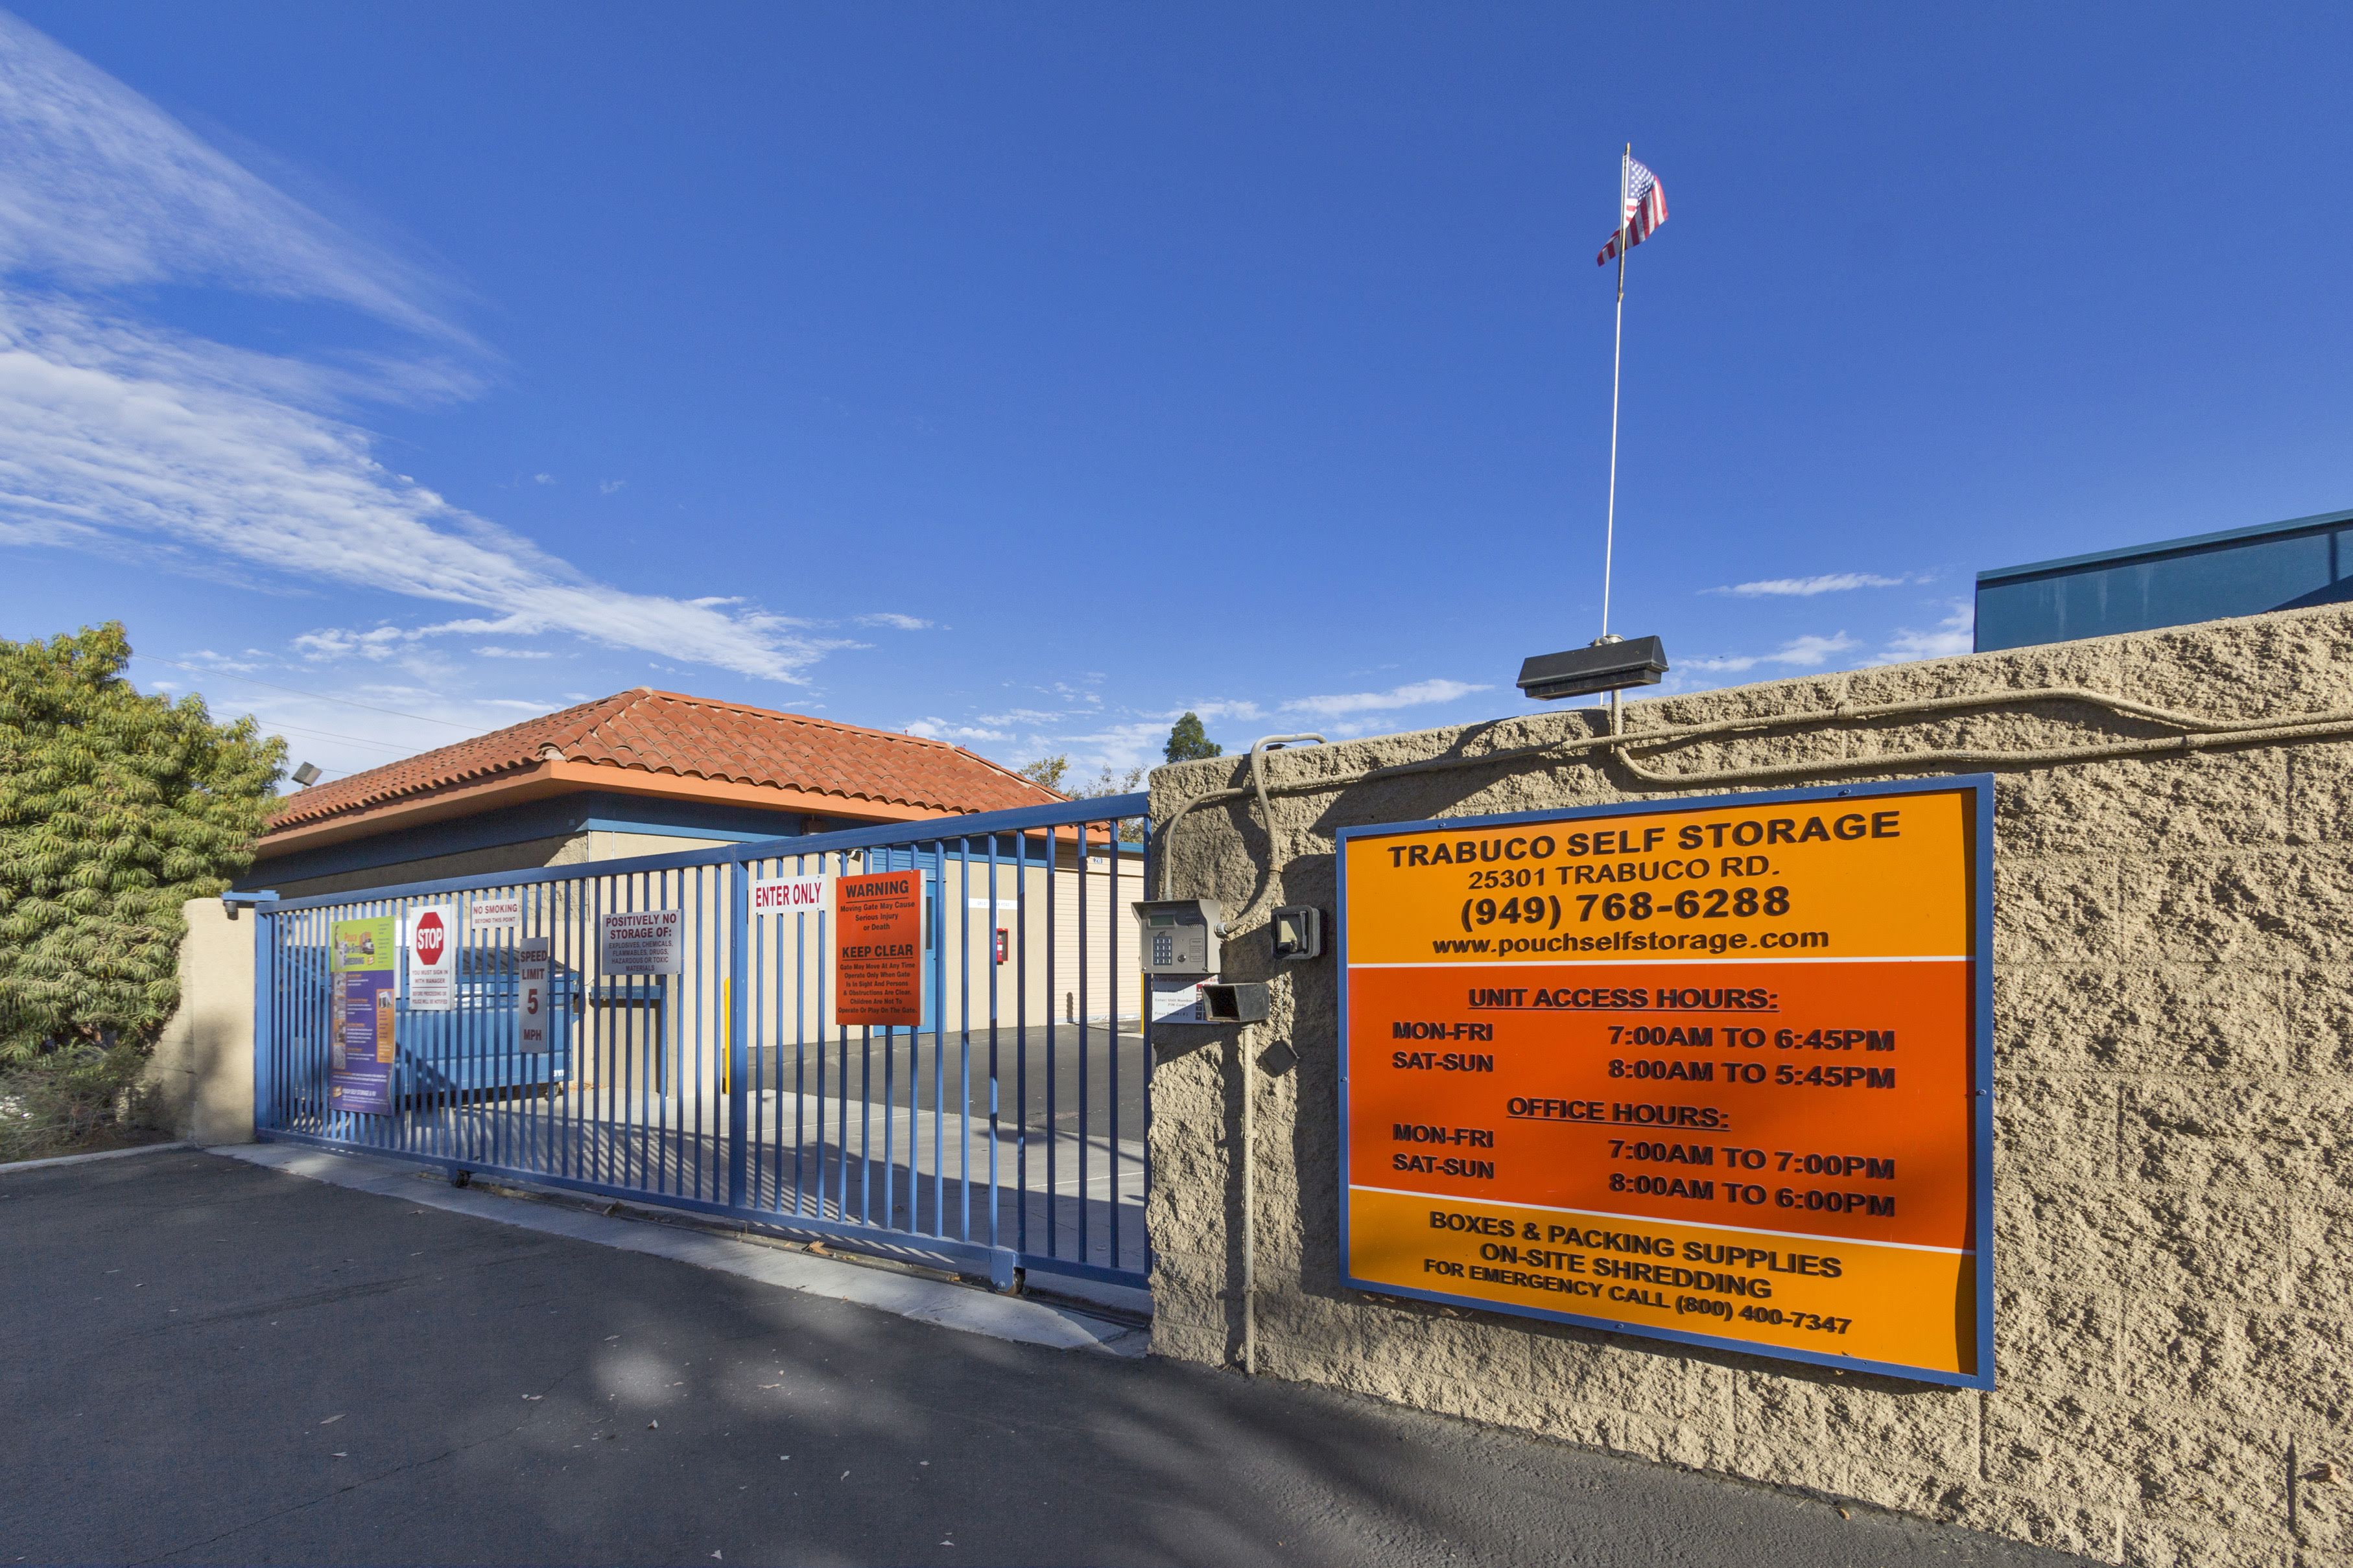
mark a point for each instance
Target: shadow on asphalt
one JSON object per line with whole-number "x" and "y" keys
{"x": 213, "y": 1362}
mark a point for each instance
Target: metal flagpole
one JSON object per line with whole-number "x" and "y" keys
{"x": 1616, "y": 356}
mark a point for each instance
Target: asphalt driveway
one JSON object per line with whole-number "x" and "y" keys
{"x": 208, "y": 1362}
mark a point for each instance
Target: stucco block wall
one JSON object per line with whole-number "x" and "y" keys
{"x": 2173, "y": 974}
{"x": 201, "y": 1075}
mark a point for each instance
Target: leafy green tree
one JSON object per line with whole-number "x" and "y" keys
{"x": 1046, "y": 772}
{"x": 114, "y": 808}
{"x": 1188, "y": 743}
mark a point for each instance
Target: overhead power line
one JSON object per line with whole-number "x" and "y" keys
{"x": 356, "y": 739}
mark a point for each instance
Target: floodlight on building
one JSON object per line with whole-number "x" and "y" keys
{"x": 1609, "y": 664}
{"x": 307, "y": 774}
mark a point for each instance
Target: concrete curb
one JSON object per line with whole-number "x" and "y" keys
{"x": 924, "y": 1300}
{"x": 10, "y": 1170}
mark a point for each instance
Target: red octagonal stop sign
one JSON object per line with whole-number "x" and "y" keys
{"x": 429, "y": 938}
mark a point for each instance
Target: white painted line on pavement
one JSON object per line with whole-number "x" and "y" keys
{"x": 10, "y": 1170}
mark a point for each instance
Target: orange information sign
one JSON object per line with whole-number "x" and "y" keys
{"x": 1716, "y": 1070}
{"x": 878, "y": 948}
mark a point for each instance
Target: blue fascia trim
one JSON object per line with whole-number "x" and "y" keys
{"x": 616, "y": 825}
{"x": 2317, "y": 522}
{"x": 555, "y": 817}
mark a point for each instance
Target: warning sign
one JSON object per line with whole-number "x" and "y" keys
{"x": 643, "y": 941}
{"x": 1715, "y": 1071}
{"x": 878, "y": 924}
{"x": 433, "y": 960}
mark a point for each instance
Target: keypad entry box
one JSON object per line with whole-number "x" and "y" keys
{"x": 1178, "y": 937}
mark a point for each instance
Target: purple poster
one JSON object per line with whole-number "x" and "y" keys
{"x": 361, "y": 1045}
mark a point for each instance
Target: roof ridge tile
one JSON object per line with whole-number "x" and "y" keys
{"x": 674, "y": 733}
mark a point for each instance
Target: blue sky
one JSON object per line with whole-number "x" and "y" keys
{"x": 1026, "y": 375}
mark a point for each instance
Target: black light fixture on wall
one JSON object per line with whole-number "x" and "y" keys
{"x": 1609, "y": 664}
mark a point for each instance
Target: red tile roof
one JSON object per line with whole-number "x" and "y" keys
{"x": 693, "y": 738}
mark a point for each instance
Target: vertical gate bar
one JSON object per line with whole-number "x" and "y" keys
{"x": 460, "y": 1070}
{"x": 559, "y": 1066}
{"x": 756, "y": 1040}
{"x": 1144, "y": 1028}
{"x": 801, "y": 998}
{"x": 517, "y": 1106}
{"x": 738, "y": 1055}
{"x": 634, "y": 1064}
{"x": 964, "y": 1028}
{"x": 304, "y": 1007}
{"x": 1085, "y": 1105}
{"x": 562, "y": 930}
{"x": 1054, "y": 1127}
{"x": 1113, "y": 977}
{"x": 592, "y": 1116}
{"x": 625, "y": 1101}
{"x": 939, "y": 935}
{"x": 991, "y": 937}
{"x": 677, "y": 1081}
{"x": 819, "y": 1200}
{"x": 670, "y": 1078}
{"x": 652, "y": 1106}
{"x": 519, "y": 1077}
{"x": 865, "y": 1123}
{"x": 273, "y": 1071}
{"x": 1021, "y": 1040}
{"x": 265, "y": 1020}
{"x": 645, "y": 1065}
{"x": 706, "y": 1075}
{"x": 841, "y": 1104}
{"x": 710, "y": 1022}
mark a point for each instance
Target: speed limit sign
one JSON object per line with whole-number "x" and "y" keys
{"x": 533, "y": 957}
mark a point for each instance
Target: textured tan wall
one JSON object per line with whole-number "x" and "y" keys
{"x": 2174, "y": 1084}
{"x": 201, "y": 1075}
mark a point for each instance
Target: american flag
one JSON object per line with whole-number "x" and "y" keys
{"x": 1646, "y": 209}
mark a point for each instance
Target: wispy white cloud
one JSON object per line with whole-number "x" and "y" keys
{"x": 121, "y": 437}
{"x": 962, "y": 734}
{"x": 895, "y": 621}
{"x": 1807, "y": 587}
{"x": 1955, "y": 634}
{"x": 496, "y": 652}
{"x": 338, "y": 642}
{"x": 100, "y": 189}
{"x": 1417, "y": 694}
{"x": 611, "y": 487}
{"x": 1798, "y": 653}
{"x": 1032, "y": 717}
{"x": 542, "y": 478}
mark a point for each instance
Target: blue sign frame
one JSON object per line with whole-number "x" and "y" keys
{"x": 1979, "y": 785}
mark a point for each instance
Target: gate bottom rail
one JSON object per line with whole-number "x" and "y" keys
{"x": 975, "y": 1259}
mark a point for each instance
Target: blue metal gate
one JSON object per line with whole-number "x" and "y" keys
{"x": 1005, "y": 1132}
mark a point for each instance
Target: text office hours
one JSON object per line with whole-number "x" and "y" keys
{"x": 1715, "y": 1071}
